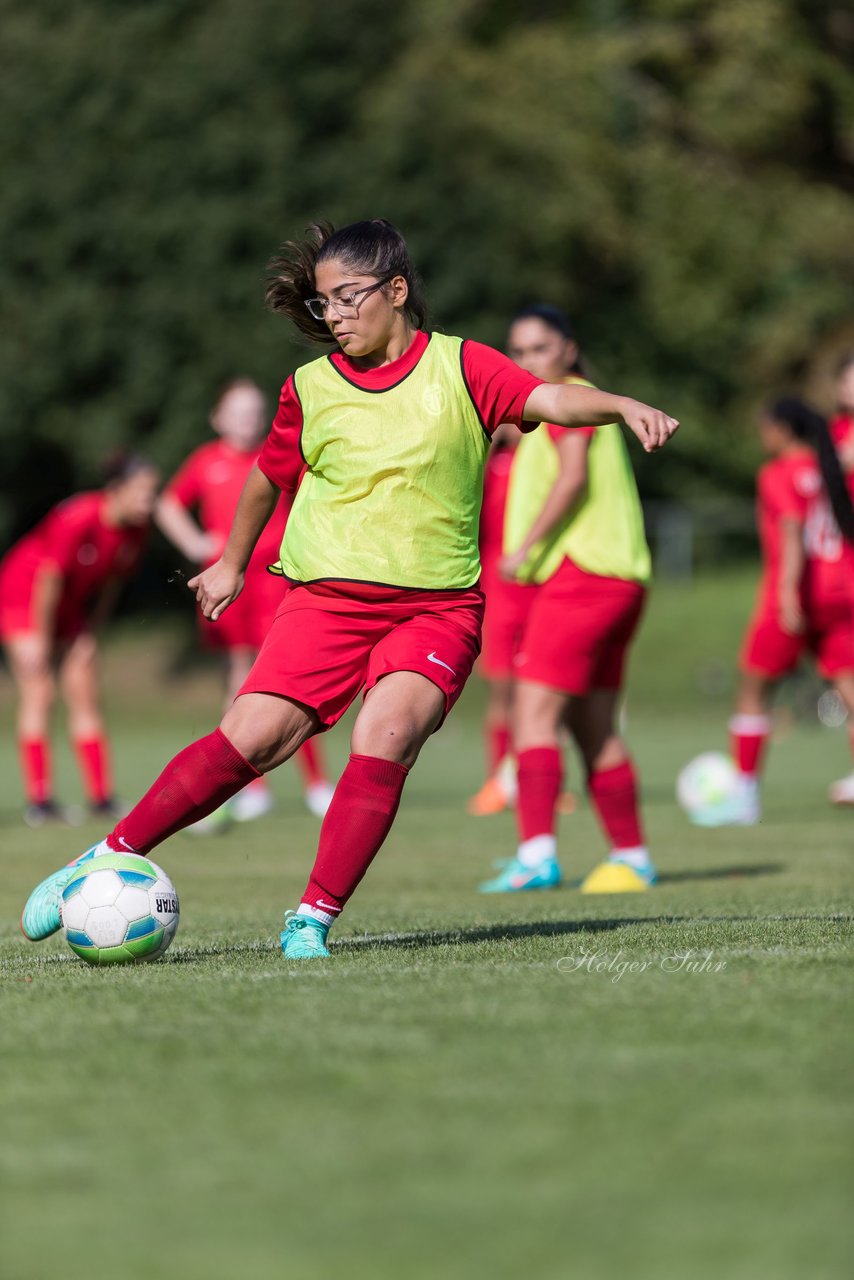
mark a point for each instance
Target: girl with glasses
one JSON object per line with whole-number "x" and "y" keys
{"x": 383, "y": 442}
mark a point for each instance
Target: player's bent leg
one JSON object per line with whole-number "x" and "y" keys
{"x": 197, "y": 781}
{"x": 538, "y": 714}
{"x": 79, "y": 685}
{"x": 30, "y": 667}
{"x": 398, "y": 716}
{"x": 613, "y": 789}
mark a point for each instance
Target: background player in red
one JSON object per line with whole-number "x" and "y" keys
{"x": 386, "y": 438}
{"x": 210, "y": 483}
{"x": 574, "y": 525}
{"x": 506, "y": 609}
{"x": 805, "y": 601}
{"x": 57, "y": 586}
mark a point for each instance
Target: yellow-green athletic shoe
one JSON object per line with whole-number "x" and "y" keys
{"x": 40, "y": 917}
{"x": 303, "y": 937}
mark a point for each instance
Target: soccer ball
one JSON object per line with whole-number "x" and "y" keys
{"x": 706, "y": 782}
{"x": 119, "y": 908}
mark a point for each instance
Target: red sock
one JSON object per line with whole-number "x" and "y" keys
{"x": 93, "y": 761}
{"x": 748, "y": 739}
{"x": 497, "y": 746}
{"x": 356, "y": 824}
{"x": 200, "y": 778}
{"x": 310, "y": 763}
{"x": 614, "y": 793}
{"x": 35, "y": 765}
{"x": 540, "y": 772}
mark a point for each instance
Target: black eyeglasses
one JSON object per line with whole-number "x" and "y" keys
{"x": 346, "y": 305}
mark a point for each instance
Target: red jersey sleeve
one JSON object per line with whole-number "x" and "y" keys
{"x": 186, "y": 484}
{"x": 778, "y": 496}
{"x": 499, "y": 388}
{"x": 281, "y": 457}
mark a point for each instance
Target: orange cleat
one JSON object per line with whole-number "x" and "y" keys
{"x": 492, "y": 798}
{"x": 567, "y": 802}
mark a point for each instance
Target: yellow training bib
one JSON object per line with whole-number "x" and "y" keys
{"x": 603, "y": 533}
{"x": 394, "y": 483}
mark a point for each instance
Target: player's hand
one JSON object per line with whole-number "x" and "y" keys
{"x": 216, "y": 588}
{"x": 509, "y": 566}
{"x": 790, "y": 614}
{"x": 653, "y": 427}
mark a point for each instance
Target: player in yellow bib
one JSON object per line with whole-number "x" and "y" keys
{"x": 573, "y": 524}
{"x": 384, "y": 441}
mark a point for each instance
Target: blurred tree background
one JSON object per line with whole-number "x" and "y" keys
{"x": 677, "y": 174}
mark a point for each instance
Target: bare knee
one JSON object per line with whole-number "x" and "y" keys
{"x": 537, "y": 717}
{"x": 267, "y": 730}
{"x": 393, "y": 734}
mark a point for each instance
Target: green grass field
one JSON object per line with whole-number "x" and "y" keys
{"x": 451, "y": 1095}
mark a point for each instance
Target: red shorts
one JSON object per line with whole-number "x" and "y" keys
{"x": 245, "y": 623}
{"x": 579, "y": 630}
{"x": 771, "y": 651}
{"x": 17, "y": 610}
{"x": 507, "y": 607}
{"x": 325, "y": 644}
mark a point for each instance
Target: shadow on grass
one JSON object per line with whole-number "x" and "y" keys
{"x": 414, "y": 941}
{"x": 545, "y": 929}
{"x": 722, "y": 873}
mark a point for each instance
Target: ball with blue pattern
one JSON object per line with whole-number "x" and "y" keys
{"x": 119, "y": 909}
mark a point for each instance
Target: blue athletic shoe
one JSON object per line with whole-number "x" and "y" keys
{"x": 40, "y": 917}
{"x": 303, "y": 937}
{"x": 515, "y": 877}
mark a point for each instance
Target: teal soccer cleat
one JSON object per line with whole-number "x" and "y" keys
{"x": 40, "y": 917}
{"x": 515, "y": 878}
{"x": 303, "y": 937}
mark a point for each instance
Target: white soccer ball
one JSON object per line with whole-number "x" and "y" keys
{"x": 119, "y": 908}
{"x": 706, "y": 782}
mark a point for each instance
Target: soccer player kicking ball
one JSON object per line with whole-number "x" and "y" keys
{"x": 210, "y": 482}
{"x": 57, "y": 587}
{"x": 574, "y": 525}
{"x": 805, "y": 601}
{"x": 384, "y": 441}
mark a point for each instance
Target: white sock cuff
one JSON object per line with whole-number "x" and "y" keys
{"x": 750, "y": 726}
{"x": 536, "y": 850}
{"x": 315, "y": 914}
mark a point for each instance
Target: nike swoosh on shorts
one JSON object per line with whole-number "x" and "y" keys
{"x": 431, "y": 657}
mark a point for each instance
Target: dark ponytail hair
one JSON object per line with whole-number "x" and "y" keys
{"x": 806, "y": 424}
{"x": 555, "y": 319}
{"x": 123, "y": 465}
{"x": 372, "y": 248}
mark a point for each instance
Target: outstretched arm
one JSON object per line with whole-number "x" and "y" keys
{"x": 221, "y": 584}
{"x": 570, "y": 405}
{"x": 570, "y": 483}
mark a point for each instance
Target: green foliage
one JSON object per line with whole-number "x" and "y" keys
{"x": 675, "y": 172}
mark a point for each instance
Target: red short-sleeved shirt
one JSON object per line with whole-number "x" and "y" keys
{"x": 74, "y": 539}
{"x": 211, "y": 480}
{"x": 499, "y": 390}
{"x": 791, "y": 488}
